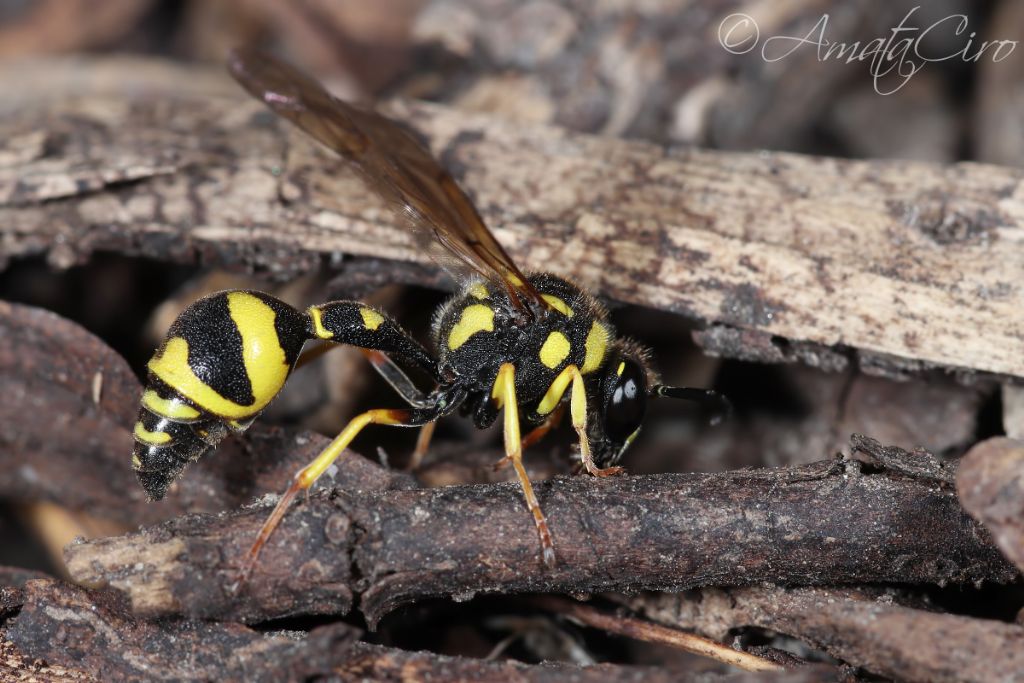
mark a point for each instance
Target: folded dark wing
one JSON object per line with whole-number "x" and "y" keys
{"x": 395, "y": 165}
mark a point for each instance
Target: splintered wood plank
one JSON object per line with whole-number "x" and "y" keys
{"x": 916, "y": 263}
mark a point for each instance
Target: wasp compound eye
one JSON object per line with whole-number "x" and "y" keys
{"x": 625, "y": 400}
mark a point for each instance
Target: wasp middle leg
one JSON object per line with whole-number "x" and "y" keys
{"x": 504, "y": 393}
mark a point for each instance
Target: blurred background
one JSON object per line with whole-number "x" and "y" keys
{"x": 651, "y": 70}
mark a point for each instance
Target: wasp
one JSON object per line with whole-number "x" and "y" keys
{"x": 520, "y": 346}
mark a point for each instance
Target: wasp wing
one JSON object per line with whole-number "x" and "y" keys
{"x": 395, "y": 165}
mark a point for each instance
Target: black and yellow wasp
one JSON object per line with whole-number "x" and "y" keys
{"x": 523, "y": 346}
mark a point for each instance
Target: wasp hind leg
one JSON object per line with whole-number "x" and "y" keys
{"x": 504, "y": 393}
{"x": 443, "y": 403}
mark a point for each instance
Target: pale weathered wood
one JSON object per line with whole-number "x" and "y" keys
{"x": 919, "y": 264}
{"x": 862, "y": 626}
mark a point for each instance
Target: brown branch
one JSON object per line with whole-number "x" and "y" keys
{"x": 75, "y": 631}
{"x": 863, "y": 627}
{"x": 783, "y": 256}
{"x": 817, "y": 524}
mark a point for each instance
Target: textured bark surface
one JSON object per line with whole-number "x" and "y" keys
{"x": 862, "y": 626}
{"x": 74, "y": 630}
{"x": 820, "y": 524}
{"x": 782, "y": 256}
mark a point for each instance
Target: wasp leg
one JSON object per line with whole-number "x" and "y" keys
{"x": 504, "y": 393}
{"x": 397, "y": 378}
{"x": 422, "y": 446}
{"x": 354, "y": 323}
{"x": 539, "y": 432}
{"x": 401, "y": 383}
{"x": 578, "y": 412}
{"x": 444, "y": 403}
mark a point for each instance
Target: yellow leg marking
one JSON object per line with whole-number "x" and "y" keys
{"x": 538, "y": 433}
{"x": 555, "y": 392}
{"x": 504, "y": 392}
{"x": 578, "y": 412}
{"x": 309, "y": 474}
{"x": 371, "y": 318}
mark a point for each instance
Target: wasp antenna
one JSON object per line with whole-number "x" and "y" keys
{"x": 721, "y": 406}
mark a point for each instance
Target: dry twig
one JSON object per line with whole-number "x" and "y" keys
{"x": 861, "y": 626}
{"x": 823, "y": 523}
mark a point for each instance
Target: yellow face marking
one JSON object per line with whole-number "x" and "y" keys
{"x": 475, "y": 318}
{"x": 262, "y": 356}
{"x": 596, "y": 345}
{"x": 618, "y": 370}
{"x": 168, "y": 407}
{"x": 371, "y": 318}
{"x": 318, "y": 324}
{"x": 558, "y": 304}
{"x": 555, "y": 349}
{"x": 154, "y": 438}
{"x": 479, "y": 291}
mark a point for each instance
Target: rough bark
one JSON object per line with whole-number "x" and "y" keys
{"x": 81, "y": 634}
{"x": 861, "y": 626}
{"x": 820, "y": 524}
{"x": 783, "y": 257}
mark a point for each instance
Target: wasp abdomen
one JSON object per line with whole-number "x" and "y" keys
{"x": 355, "y": 323}
{"x": 230, "y": 353}
{"x": 223, "y": 360}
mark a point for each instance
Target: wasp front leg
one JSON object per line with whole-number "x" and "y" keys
{"x": 551, "y": 401}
